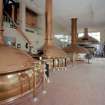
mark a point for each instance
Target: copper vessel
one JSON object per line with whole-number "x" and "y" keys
{"x": 17, "y": 69}
{"x": 51, "y": 51}
{"x": 86, "y": 39}
{"x": 74, "y": 48}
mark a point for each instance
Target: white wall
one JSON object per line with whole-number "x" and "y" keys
{"x": 37, "y": 40}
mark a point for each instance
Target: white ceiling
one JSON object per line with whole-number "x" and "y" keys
{"x": 90, "y": 13}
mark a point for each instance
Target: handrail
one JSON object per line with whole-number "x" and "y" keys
{"x": 18, "y": 29}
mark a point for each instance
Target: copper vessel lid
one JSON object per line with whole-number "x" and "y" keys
{"x": 13, "y": 60}
{"x": 74, "y": 48}
{"x": 50, "y": 50}
{"x": 87, "y": 39}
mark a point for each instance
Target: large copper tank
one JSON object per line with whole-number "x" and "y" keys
{"x": 17, "y": 69}
{"x": 52, "y": 53}
{"x": 18, "y": 76}
{"x": 74, "y": 50}
{"x": 86, "y": 39}
{"x": 88, "y": 42}
{"x": 50, "y": 50}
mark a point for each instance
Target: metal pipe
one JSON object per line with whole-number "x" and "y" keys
{"x": 74, "y": 31}
{"x": 48, "y": 16}
{"x": 1, "y": 22}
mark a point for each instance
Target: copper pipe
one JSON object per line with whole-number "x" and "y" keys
{"x": 1, "y": 22}
{"x": 50, "y": 50}
{"x": 48, "y": 16}
{"x": 74, "y": 31}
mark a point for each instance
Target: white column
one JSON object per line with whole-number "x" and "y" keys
{"x": 22, "y": 15}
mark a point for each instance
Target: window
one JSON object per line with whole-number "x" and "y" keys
{"x": 62, "y": 38}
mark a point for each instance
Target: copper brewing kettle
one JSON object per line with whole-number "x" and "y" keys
{"x": 11, "y": 59}
{"x": 74, "y": 48}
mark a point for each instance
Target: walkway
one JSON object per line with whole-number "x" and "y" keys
{"x": 83, "y": 84}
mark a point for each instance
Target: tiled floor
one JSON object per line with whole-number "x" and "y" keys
{"x": 83, "y": 84}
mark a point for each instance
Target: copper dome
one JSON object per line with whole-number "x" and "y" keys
{"x": 13, "y": 60}
{"x": 86, "y": 39}
{"x": 50, "y": 50}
